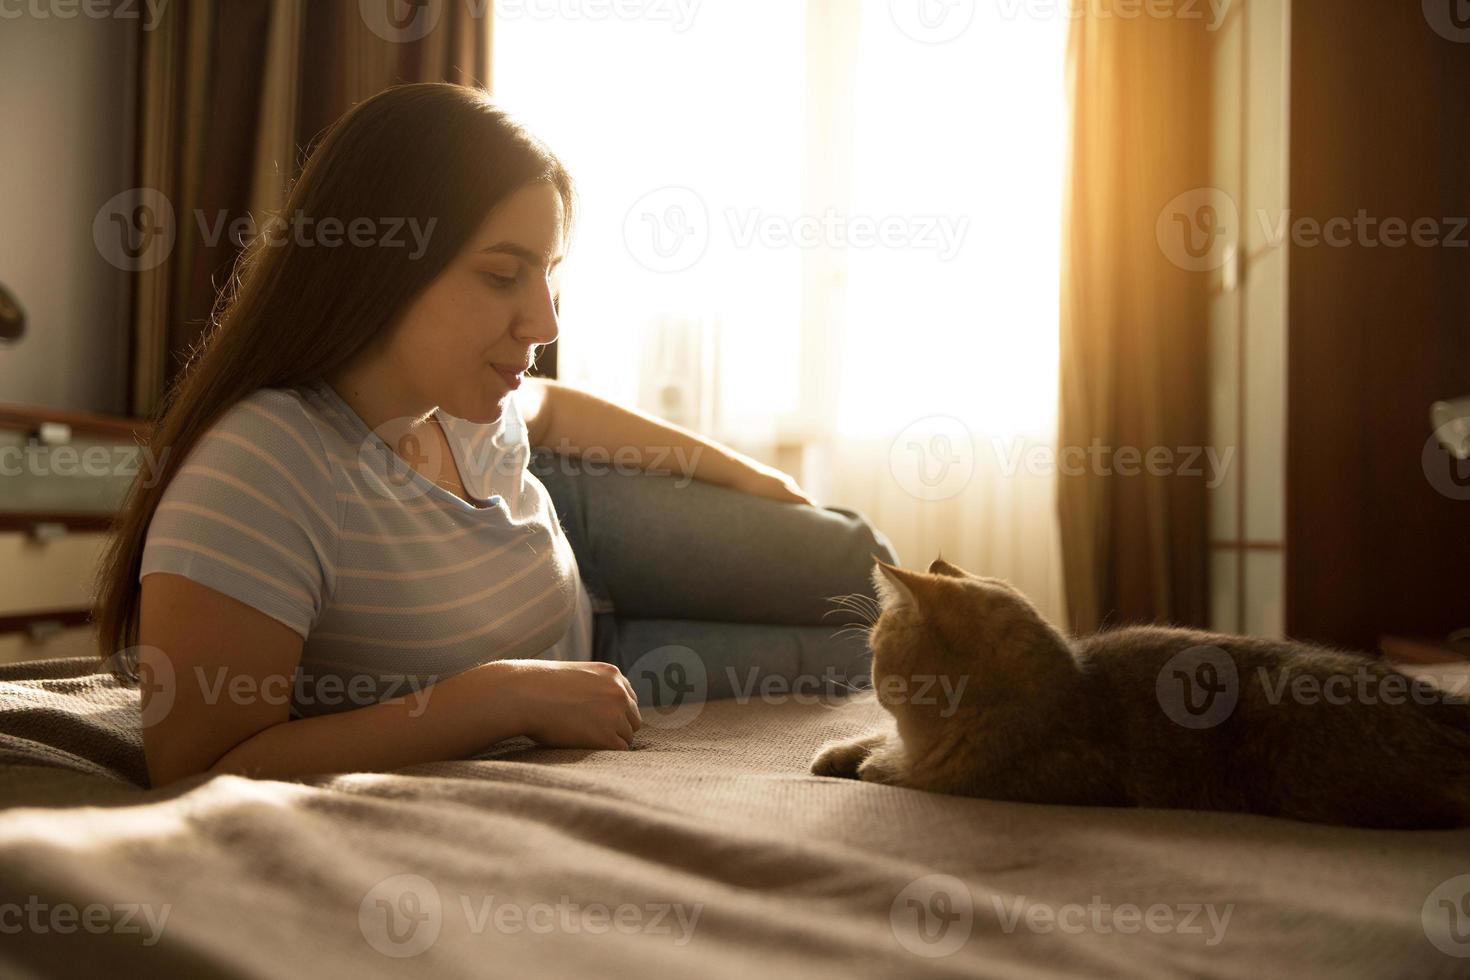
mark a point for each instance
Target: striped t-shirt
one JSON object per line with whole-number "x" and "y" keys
{"x": 290, "y": 504}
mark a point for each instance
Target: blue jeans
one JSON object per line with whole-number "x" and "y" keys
{"x": 703, "y": 592}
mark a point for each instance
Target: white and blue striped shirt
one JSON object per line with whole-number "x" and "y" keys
{"x": 291, "y": 505}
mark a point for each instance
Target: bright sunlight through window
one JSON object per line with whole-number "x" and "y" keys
{"x": 805, "y": 221}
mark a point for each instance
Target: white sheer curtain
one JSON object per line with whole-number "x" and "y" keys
{"x": 827, "y": 233}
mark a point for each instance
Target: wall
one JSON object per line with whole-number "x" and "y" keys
{"x": 65, "y": 113}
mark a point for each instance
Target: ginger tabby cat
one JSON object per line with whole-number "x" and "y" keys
{"x": 988, "y": 699}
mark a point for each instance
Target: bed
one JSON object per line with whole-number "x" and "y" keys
{"x": 707, "y": 851}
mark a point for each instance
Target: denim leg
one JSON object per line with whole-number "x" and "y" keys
{"x": 569, "y": 499}
{"x": 672, "y": 662}
{"x": 662, "y": 547}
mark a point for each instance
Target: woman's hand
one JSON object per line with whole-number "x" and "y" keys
{"x": 574, "y": 704}
{"x": 765, "y": 481}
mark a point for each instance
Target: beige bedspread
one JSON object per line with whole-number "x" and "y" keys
{"x": 708, "y": 851}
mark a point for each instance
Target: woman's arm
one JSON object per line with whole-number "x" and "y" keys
{"x": 572, "y": 422}
{"x": 217, "y": 676}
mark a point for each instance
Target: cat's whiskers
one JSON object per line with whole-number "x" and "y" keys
{"x": 863, "y": 600}
{"x": 856, "y": 610}
{"x": 864, "y": 607}
{"x": 860, "y": 624}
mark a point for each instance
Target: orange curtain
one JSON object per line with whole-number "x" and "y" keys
{"x": 1134, "y": 340}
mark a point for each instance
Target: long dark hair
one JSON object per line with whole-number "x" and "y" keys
{"x": 431, "y": 152}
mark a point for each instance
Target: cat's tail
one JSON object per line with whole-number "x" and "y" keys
{"x": 1443, "y": 744}
{"x": 1461, "y": 795}
{"x": 1451, "y": 723}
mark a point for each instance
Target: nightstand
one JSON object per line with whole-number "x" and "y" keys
{"x": 63, "y": 476}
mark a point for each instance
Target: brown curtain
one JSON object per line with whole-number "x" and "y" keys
{"x": 1134, "y": 336}
{"x": 1377, "y": 520}
{"x": 231, "y": 95}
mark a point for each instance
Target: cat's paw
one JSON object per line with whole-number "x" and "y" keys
{"x": 840, "y": 759}
{"x": 878, "y": 767}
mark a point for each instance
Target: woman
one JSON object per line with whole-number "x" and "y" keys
{"x": 345, "y": 561}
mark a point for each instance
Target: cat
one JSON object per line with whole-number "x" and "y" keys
{"x": 988, "y": 699}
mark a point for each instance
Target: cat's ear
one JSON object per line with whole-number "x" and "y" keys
{"x": 894, "y": 584}
{"x": 941, "y": 567}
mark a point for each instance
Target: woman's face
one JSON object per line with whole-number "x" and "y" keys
{"x": 465, "y": 341}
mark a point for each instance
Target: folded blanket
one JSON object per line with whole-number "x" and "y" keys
{"x": 62, "y": 713}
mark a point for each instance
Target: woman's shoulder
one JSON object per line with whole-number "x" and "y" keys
{"x": 285, "y": 416}
{"x": 253, "y": 512}
{"x": 280, "y": 406}
{"x": 277, "y": 439}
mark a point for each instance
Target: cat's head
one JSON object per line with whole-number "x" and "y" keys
{"x": 946, "y": 630}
